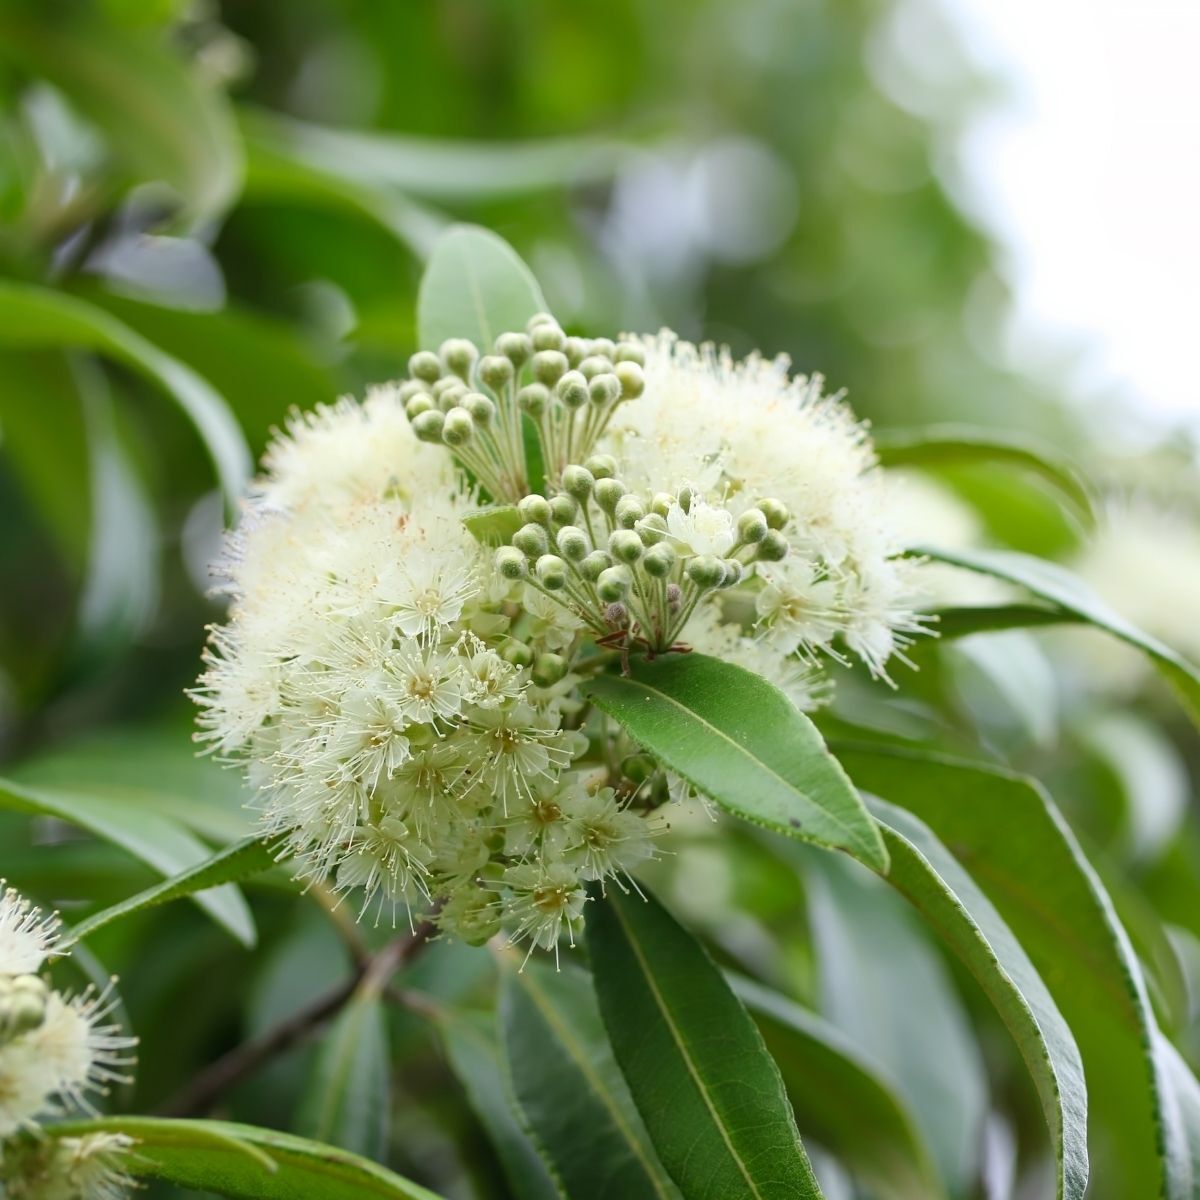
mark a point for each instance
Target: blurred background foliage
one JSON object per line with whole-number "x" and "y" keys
{"x": 209, "y": 214}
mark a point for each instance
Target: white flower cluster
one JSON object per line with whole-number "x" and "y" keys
{"x": 55, "y": 1050}
{"x": 405, "y": 697}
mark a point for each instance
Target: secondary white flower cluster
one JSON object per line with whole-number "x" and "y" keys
{"x": 405, "y": 696}
{"x": 55, "y": 1050}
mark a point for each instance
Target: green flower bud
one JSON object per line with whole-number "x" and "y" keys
{"x": 629, "y": 511}
{"x": 540, "y": 318}
{"x": 604, "y": 389}
{"x": 458, "y": 355}
{"x": 425, "y": 365}
{"x": 447, "y": 383}
{"x": 659, "y": 560}
{"x": 481, "y": 408}
{"x": 410, "y": 388}
{"x": 651, "y": 528}
{"x": 573, "y": 543}
{"x": 661, "y": 504}
{"x": 551, "y": 572}
{"x": 562, "y": 509}
{"x": 594, "y": 365}
{"x": 684, "y": 498}
{"x": 602, "y": 466}
{"x": 451, "y": 397}
{"x": 576, "y": 350}
{"x": 604, "y": 346}
{"x": 631, "y": 379}
{"x": 547, "y": 336}
{"x": 608, "y": 492}
{"x": 428, "y": 425}
{"x": 774, "y": 547}
{"x": 510, "y": 562}
{"x": 458, "y": 428}
{"x": 613, "y": 584}
{"x": 421, "y": 402}
{"x": 616, "y": 615}
{"x": 706, "y": 571}
{"x": 595, "y": 564}
{"x": 637, "y": 768}
{"x": 776, "y": 514}
{"x": 630, "y": 352}
{"x": 733, "y": 572}
{"x": 549, "y": 366}
{"x": 572, "y": 390}
{"x": 752, "y": 525}
{"x": 496, "y": 371}
{"x": 549, "y": 669}
{"x": 473, "y": 914}
{"x": 517, "y": 653}
{"x": 578, "y": 481}
{"x": 533, "y": 398}
{"x": 625, "y": 546}
{"x": 534, "y": 508}
{"x": 516, "y": 347}
{"x": 531, "y": 540}
{"x": 22, "y": 1005}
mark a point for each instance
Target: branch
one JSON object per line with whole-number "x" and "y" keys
{"x": 202, "y": 1093}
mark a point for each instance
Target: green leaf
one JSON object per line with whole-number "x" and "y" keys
{"x": 956, "y": 445}
{"x": 37, "y": 317}
{"x": 986, "y": 618}
{"x": 475, "y": 286}
{"x": 570, "y": 1091}
{"x": 471, "y": 1046}
{"x": 348, "y": 1099}
{"x": 740, "y": 741}
{"x": 494, "y": 526}
{"x": 155, "y": 113}
{"x": 708, "y": 1091}
{"x": 841, "y": 1101}
{"x": 240, "y": 861}
{"x": 1055, "y": 584}
{"x": 955, "y": 907}
{"x": 146, "y": 835}
{"x": 246, "y": 1163}
{"x": 1007, "y": 833}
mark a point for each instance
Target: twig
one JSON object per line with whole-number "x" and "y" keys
{"x": 202, "y": 1093}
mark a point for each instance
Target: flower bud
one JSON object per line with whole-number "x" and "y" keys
{"x": 425, "y": 365}
{"x": 534, "y": 508}
{"x": 595, "y": 365}
{"x": 496, "y": 371}
{"x": 562, "y": 509}
{"x": 774, "y": 547}
{"x": 549, "y": 669}
{"x": 410, "y": 388}
{"x": 608, "y": 492}
{"x": 776, "y": 514}
{"x": 22, "y": 1005}
{"x": 576, "y": 350}
{"x": 625, "y": 546}
{"x": 428, "y": 425}
{"x": 421, "y": 402}
{"x": 551, "y": 572}
{"x": 578, "y": 481}
{"x": 573, "y": 543}
{"x": 613, "y": 584}
{"x": 631, "y": 352}
{"x": 602, "y": 466}
{"x": 674, "y": 597}
{"x": 539, "y": 318}
{"x": 595, "y": 564}
{"x": 684, "y": 498}
{"x": 651, "y": 528}
{"x": 616, "y": 615}
{"x": 706, "y": 571}
{"x": 659, "y": 560}
{"x": 547, "y": 336}
{"x": 604, "y": 346}
{"x": 632, "y": 380}
{"x": 517, "y": 653}
{"x": 733, "y": 572}
{"x": 604, "y": 389}
{"x": 458, "y": 428}
{"x": 510, "y": 562}
{"x": 533, "y": 398}
{"x": 629, "y": 511}
{"x": 482, "y": 409}
{"x": 661, "y": 504}
{"x": 637, "y": 768}
{"x": 458, "y": 355}
{"x": 572, "y": 390}
{"x": 531, "y": 540}
{"x": 752, "y": 525}
{"x": 549, "y": 366}
{"x": 516, "y": 347}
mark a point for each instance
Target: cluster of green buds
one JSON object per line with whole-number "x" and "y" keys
{"x": 22, "y": 1005}
{"x": 633, "y": 568}
{"x": 566, "y": 388}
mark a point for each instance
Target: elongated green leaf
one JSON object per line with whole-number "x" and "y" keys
{"x": 1007, "y": 833}
{"x": 36, "y": 317}
{"x": 708, "y": 1091}
{"x": 155, "y": 840}
{"x": 1184, "y": 1090}
{"x": 841, "y": 1101}
{"x": 247, "y": 1163}
{"x": 739, "y": 740}
{"x": 240, "y": 861}
{"x": 471, "y": 1046}
{"x": 1055, "y": 584}
{"x": 156, "y": 114}
{"x": 985, "y": 618}
{"x": 474, "y": 287}
{"x": 930, "y": 876}
{"x": 956, "y": 445}
{"x": 574, "y": 1100}
{"x": 494, "y": 526}
{"x": 348, "y": 1100}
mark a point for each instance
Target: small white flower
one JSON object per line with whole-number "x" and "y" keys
{"x": 547, "y": 901}
{"x": 91, "y": 1167}
{"x": 27, "y": 938}
{"x": 703, "y": 529}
